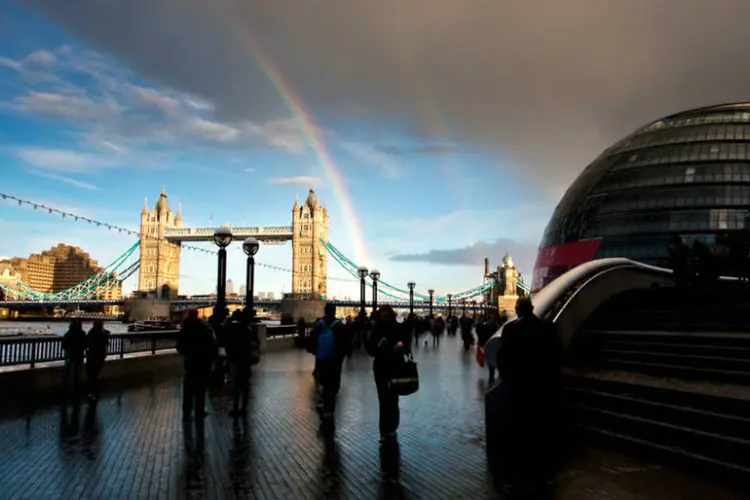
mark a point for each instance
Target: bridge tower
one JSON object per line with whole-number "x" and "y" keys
{"x": 160, "y": 259}
{"x": 310, "y": 223}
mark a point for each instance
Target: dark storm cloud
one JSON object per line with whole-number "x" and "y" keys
{"x": 548, "y": 84}
{"x": 430, "y": 149}
{"x": 523, "y": 254}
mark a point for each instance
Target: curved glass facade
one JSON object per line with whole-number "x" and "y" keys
{"x": 686, "y": 174}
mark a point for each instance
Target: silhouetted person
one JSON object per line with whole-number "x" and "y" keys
{"x": 74, "y": 345}
{"x": 738, "y": 254}
{"x": 239, "y": 344}
{"x": 438, "y": 328}
{"x": 301, "y": 330}
{"x": 97, "y": 342}
{"x": 197, "y": 345}
{"x": 331, "y": 345}
{"x": 484, "y": 332}
{"x": 529, "y": 363}
{"x": 679, "y": 260}
{"x": 388, "y": 343}
{"x": 704, "y": 263}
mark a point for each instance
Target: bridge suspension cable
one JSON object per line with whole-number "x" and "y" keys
{"x": 96, "y": 285}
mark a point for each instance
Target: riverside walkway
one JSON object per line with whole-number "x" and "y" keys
{"x": 133, "y": 444}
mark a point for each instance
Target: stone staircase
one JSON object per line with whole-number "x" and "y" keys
{"x": 667, "y": 376}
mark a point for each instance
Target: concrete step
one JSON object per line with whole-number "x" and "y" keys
{"x": 634, "y": 404}
{"x": 703, "y": 465}
{"x": 686, "y": 349}
{"x": 641, "y": 354}
{"x": 696, "y": 441}
{"x": 677, "y": 370}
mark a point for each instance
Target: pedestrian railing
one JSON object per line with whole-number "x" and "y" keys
{"x": 31, "y": 351}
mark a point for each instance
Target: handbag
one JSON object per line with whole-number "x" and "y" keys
{"x": 405, "y": 378}
{"x": 480, "y": 356}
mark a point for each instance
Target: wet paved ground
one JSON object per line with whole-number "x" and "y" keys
{"x": 134, "y": 445}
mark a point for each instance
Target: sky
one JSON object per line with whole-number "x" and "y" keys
{"x": 436, "y": 134}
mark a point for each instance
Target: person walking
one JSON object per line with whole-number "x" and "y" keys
{"x": 529, "y": 363}
{"x": 242, "y": 351}
{"x": 388, "y": 343}
{"x": 74, "y": 345}
{"x": 330, "y": 344}
{"x": 97, "y": 342}
{"x": 197, "y": 345}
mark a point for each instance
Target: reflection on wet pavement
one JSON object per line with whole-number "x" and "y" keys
{"x": 134, "y": 444}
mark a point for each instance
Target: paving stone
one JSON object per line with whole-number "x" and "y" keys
{"x": 134, "y": 444}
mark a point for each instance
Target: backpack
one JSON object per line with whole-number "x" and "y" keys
{"x": 326, "y": 348}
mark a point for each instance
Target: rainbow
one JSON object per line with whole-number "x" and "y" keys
{"x": 303, "y": 116}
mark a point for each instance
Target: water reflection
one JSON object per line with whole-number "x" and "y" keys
{"x": 240, "y": 463}
{"x": 194, "y": 438}
{"x": 91, "y": 434}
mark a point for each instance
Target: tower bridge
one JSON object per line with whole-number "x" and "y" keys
{"x": 162, "y": 234}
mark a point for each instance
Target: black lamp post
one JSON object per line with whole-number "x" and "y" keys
{"x": 375, "y": 275}
{"x": 411, "y": 286}
{"x": 251, "y": 247}
{"x": 362, "y": 272}
{"x": 222, "y": 238}
{"x": 464, "y": 304}
{"x": 432, "y": 293}
{"x": 450, "y": 310}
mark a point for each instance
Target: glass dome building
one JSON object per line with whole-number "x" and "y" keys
{"x": 686, "y": 174}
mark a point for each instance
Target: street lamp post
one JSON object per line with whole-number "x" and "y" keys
{"x": 464, "y": 304}
{"x": 411, "y": 286}
{"x": 362, "y": 272}
{"x": 432, "y": 293}
{"x": 251, "y": 247}
{"x": 222, "y": 238}
{"x": 375, "y": 275}
{"x": 450, "y": 310}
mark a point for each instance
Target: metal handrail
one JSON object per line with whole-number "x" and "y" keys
{"x": 33, "y": 350}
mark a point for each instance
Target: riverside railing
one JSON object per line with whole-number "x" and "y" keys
{"x": 33, "y": 350}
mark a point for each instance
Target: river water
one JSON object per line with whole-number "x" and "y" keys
{"x": 60, "y": 327}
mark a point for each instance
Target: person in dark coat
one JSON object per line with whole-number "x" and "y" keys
{"x": 97, "y": 342}
{"x": 388, "y": 343}
{"x": 242, "y": 345}
{"x": 529, "y": 363}
{"x": 330, "y": 343}
{"x": 197, "y": 345}
{"x": 74, "y": 345}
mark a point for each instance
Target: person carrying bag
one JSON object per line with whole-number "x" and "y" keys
{"x": 405, "y": 378}
{"x": 394, "y": 369}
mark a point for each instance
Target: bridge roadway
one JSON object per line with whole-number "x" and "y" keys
{"x": 134, "y": 445}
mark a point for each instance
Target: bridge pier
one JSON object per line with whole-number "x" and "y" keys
{"x": 142, "y": 309}
{"x": 309, "y": 310}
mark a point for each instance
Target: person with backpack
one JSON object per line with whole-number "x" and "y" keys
{"x": 330, "y": 345}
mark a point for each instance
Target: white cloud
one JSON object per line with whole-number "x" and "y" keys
{"x": 66, "y": 180}
{"x": 367, "y": 154}
{"x": 68, "y": 106}
{"x": 62, "y": 160}
{"x": 212, "y": 130}
{"x": 300, "y": 179}
{"x": 158, "y": 99}
{"x": 41, "y": 57}
{"x": 250, "y": 170}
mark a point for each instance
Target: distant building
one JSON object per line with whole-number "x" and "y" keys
{"x": 230, "y": 287}
{"x": 54, "y": 270}
{"x": 159, "y": 270}
{"x": 269, "y": 296}
{"x": 310, "y": 224}
{"x": 243, "y": 290}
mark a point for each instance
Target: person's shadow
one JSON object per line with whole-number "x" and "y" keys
{"x": 91, "y": 433}
{"x": 390, "y": 466}
{"x": 330, "y": 469}
{"x": 194, "y": 457}
{"x": 240, "y": 474}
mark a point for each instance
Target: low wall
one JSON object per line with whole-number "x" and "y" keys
{"x": 44, "y": 381}
{"x": 309, "y": 310}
